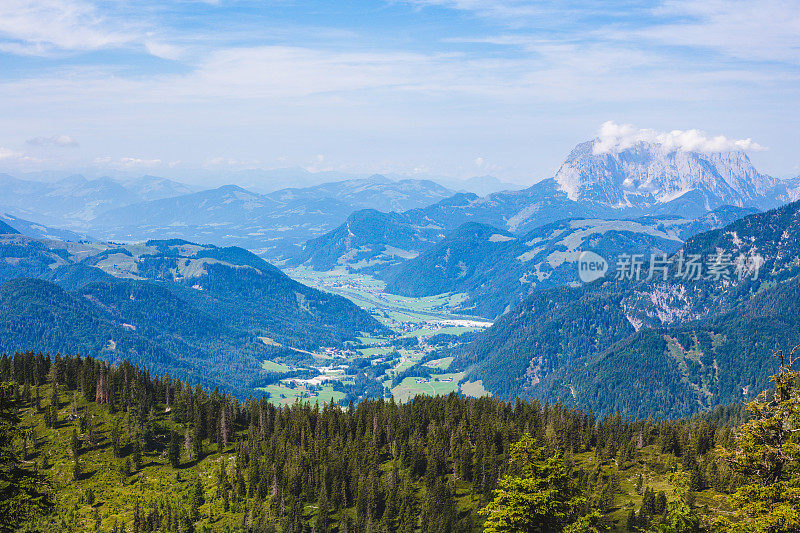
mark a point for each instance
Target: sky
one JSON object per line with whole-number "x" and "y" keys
{"x": 421, "y": 87}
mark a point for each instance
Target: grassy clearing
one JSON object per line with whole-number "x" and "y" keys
{"x": 434, "y": 386}
{"x": 282, "y": 394}
{"x": 474, "y": 389}
{"x": 272, "y": 366}
{"x": 376, "y": 352}
{"x": 368, "y": 340}
{"x": 441, "y": 364}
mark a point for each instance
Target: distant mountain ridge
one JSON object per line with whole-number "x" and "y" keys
{"x": 273, "y": 224}
{"x": 645, "y": 180}
{"x": 38, "y": 231}
{"x": 661, "y": 347}
{"x": 74, "y": 200}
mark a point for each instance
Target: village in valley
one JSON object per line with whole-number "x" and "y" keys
{"x": 402, "y": 365}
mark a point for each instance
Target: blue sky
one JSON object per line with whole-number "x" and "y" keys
{"x": 425, "y": 87}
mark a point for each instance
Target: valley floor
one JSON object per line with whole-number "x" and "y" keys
{"x": 415, "y": 322}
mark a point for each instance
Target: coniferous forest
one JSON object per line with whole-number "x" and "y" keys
{"x": 87, "y": 446}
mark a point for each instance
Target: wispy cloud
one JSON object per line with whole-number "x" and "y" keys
{"x": 6, "y": 153}
{"x": 11, "y": 156}
{"x": 50, "y": 27}
{"x": 127, "y": 162}
{"x": 488, "y": 77}
{"x": 53, "y": 140}
{"x": 754, "y": 30}
{"x": 41, "y": 26}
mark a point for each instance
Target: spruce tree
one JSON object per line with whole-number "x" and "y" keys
{"x": 322, "y": 524}
{"x": 174, "y": 450}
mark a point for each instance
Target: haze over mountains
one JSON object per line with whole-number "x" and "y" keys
{"x": 688, "y": 191}
{"x": 510, "y": 256}
{"x": 74, "y": 200}
{"x": 270, "y": 224}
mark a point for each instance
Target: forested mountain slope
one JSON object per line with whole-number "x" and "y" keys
{"x": 116, "y": 448}
{"x": 498, "y": 269}
{"x": 208, "y": 314}
{"x": 543, "y": 346}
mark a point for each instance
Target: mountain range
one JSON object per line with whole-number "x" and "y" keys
{"x": 207, "y": 313}
{"x": 72, "y": 201}
{"x": 213, "y": 313}
{"x": 426, "y": 251}
{"x": 498, "y": 269}
{"x": 273, "y": 224}
{"x": 665, "y": 346}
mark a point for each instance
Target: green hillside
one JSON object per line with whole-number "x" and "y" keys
{"x": 113, "y": 448}
{"x": 198, "y": 312}
{"x": 641, "y": 347}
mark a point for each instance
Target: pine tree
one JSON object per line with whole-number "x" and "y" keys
{"x": 75, "y": 444}
{"x": 630, "y": 522}
{"x": 767, "y": 453}
{"x": 76, "y": 469}
{"x": 322, "y": 524}
{"x": 22, "y": 496}
{"x": 174, "y": 450}
{"x": 439, "y": 512}
{"x": 116, "y": 444}
{"x": 137, "y": 454}
{"x": 538, "y": 494}
{"x": 125, "y": 470}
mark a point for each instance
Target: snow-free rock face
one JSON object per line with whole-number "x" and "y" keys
{"x": 648, "y": 174}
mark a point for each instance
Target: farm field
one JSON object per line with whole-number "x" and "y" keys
{"x": 368, "y": 293}
{"x": 409, "y": 318}
{"x": 440, "y": 384}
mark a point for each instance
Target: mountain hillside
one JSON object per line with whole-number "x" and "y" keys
{"x": 370, "y": 241}
{"x": 560, "y": 343}
{"x": 6, "y": 229}
{"x": 498, "y": 269}
{"x": 213, "y": 315}
{"x": 38, "y": 231}
{"x": 125, "y": 320}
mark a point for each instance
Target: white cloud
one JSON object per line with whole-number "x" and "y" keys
{"x": 5, "y": 153}
{"x": 163, "y": 50}
{"x": 16, "y": 158}
{"x": 53, "y": 140}
{"x": 45, "y": 27}
{"x": 748, "y": 29}
{"x": 513, "y": 11}
{"x": 614, "y": 137}
{"x": 126, "y": 162}
{"x": 39, "y": 26}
